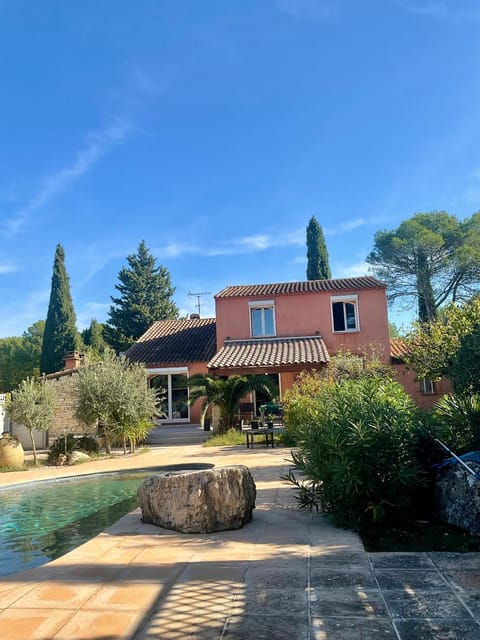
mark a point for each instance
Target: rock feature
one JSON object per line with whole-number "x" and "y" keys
{"x": 457, "y": 494}
{"x": 77, "y": 456}
{"x": 199, "y": 501}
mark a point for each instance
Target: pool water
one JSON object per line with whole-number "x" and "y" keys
{"x": 43, "y": 520}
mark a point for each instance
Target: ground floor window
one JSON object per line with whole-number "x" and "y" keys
{"x": 174, "y": 405}
{"x": 427, "y": 387}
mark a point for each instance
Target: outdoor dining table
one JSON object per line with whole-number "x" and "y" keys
{"x": 267, "y": 435}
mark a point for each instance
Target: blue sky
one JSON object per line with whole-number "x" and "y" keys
{"x": 214, "y": 130}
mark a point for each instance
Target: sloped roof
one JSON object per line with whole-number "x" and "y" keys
{"x": 398, "y": 348}
{"x": 305, "y": 286}
{"x": 170, "y": 341}
{"x": 270, "y": 352}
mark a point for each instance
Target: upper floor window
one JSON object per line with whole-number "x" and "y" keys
{"x": 345, "y": 313}
{"x": 262, "y": 319}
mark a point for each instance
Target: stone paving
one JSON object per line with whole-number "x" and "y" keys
{"x": 286, "y": 575}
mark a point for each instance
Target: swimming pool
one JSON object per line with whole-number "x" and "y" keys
{"x": 41, "y": 521}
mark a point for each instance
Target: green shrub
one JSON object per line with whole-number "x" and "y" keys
{"x": 62, "y": 445}
{"x": 356, "y": 450}
{"x": 300, "y": 408}
{"x": 458, "y": 421}
{"x": 88, "y": 444}
{"x": 230, "y": 437}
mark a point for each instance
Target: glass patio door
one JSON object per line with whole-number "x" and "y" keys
{"x": 174, "y": 404}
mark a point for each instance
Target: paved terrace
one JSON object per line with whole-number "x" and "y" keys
{"x": 287, "y": 575}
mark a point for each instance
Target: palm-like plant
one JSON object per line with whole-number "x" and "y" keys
{"x": 459, "y": 419}
{"x": 226, "y": 394}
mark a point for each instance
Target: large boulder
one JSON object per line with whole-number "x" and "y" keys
{"x": 199, "y": 501}
{"x": 74, "y": 457}
{"x": 457, "y": 494}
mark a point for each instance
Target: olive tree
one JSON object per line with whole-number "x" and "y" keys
{"x": 32, "y": 405}
{"x": 114, "y": 395}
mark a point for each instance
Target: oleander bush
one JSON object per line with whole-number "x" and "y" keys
{"x": 356, "y": 456}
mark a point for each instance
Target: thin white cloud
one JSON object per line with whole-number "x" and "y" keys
{"x": 441, "y": 9}
{"x": 309, "y": 9}
{"x": 144, "y": 83}
{"x": 97, "y": 258}
{"x": 354, "y": 270}
{"x": 344, "y": 227}
{"x": 351, "y": 225}
{"x": 7, "y": 267}
{"x": 429, "y": 8}
{"x": 254, "y": 243}
{"x": 245, "y": 245}
{"x": 98, "y": 144}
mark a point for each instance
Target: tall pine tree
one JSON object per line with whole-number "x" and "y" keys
{"x": 318, "y": 266}
{"x": 145, "y": 296}
{"x": 60, "y": 334}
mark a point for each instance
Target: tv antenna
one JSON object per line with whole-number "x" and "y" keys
{"x": 198, "y": 296}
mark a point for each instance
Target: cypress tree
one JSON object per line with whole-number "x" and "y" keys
{"x": 60, "y": 334}
{"x": 93, "y": 338}
{"x": 317, "y": 255}
{"x": 145, "y": 296}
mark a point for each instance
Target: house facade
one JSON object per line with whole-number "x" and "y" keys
{"x": 284, "y": 328}
{"x": 275, "y": 329}
{"x": 425, "y": 392}
{"x": 172, "y": 351}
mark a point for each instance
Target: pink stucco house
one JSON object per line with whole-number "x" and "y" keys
{"x": 277, "y": 329}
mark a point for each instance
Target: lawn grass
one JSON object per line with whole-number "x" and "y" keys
{"x": 231, "y": 437}
{"x": 235, "y": 437}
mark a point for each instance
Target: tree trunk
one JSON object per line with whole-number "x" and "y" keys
{"x": 427, "y": 308}
{"x": 34, "y": 448}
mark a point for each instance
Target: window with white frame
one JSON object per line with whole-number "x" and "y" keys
{"x": 427, "y": 387}
{"x": 345, "y": 314}
{"x": 262, "y": 319}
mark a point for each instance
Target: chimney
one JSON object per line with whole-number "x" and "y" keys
{"x": 194, "y": 316}
{"x": 73, "y": 359}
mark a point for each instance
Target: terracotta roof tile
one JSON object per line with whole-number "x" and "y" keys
{"x": 270, "y": 352}
{"x": 170, "y": 341}
{"x": 306, "y": 286}
{"x": 398, "y": 348}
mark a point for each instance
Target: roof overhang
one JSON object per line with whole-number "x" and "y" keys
{"x": 269, "y": 354}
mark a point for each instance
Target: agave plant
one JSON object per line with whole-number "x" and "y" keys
{"x": 226, "y": 394}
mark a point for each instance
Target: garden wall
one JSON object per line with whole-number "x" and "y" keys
{"x": 64, "y": 419}
{"x": 457, "y": 494}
